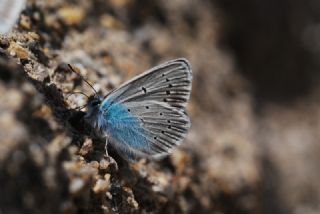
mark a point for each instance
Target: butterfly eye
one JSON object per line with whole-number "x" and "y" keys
{"x": 95, "y": 102}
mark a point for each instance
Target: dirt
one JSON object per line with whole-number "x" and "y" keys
{"x": 253, "y": 145}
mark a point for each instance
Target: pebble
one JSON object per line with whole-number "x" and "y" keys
{"x": 101, "y": 186}
{"x": 4, "y": 43}
{"x": 76, "y": 185}
{"x": 109, "y": 21}
{"x": 25, "y": 22}
{"x": 86, "y": 147}
{"x": 18, "y": 51}
{"x": 104, "y": 164}
{"x": 71, "y": 15}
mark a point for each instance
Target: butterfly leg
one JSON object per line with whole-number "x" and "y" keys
{"x": 106, "y": 148}
{"x": 109, "y": 158}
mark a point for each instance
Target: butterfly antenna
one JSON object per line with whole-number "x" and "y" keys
{"x": 72, "y": 69}
{"x": 79, "y": 107}
{"x": 78, "y": 92}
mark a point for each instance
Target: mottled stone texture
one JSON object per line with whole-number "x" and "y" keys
{"x": 254, "y": 142}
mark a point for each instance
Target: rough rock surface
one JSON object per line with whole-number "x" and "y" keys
{"x": 252, "y": 148}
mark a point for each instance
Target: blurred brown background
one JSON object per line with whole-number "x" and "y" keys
{"x": 254, "y": 142}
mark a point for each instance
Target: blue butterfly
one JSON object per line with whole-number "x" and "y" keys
{"x": 145, "y": 117}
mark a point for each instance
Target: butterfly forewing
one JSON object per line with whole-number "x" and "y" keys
{"x": 156, "y": 101}
{"x": 169, "y": 83}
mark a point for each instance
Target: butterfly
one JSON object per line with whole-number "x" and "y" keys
{"x": 145, "y": 117}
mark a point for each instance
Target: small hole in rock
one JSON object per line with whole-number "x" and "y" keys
{"x": 167, "y": 80}
{"x": 144, "y": 89}
{"x": 170, "y": 85}
{"x": 147, "y": 107}
{"x": 164, "y": 100}
{"x": 168, "y": 92}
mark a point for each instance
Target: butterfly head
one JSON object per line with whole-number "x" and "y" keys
{"x": 93, "y": 106}
{"x": 94, "y": 101}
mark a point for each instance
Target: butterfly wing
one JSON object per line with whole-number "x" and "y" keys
{"x": 169, "y": 82}
{"x": 145, "y": 117}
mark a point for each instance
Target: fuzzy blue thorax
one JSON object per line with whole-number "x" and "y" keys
{"x": 114, "y": 121}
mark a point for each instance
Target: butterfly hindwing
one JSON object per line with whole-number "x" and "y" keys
{"x": 146, "y": 117}
{"x": 163, "y": 126}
